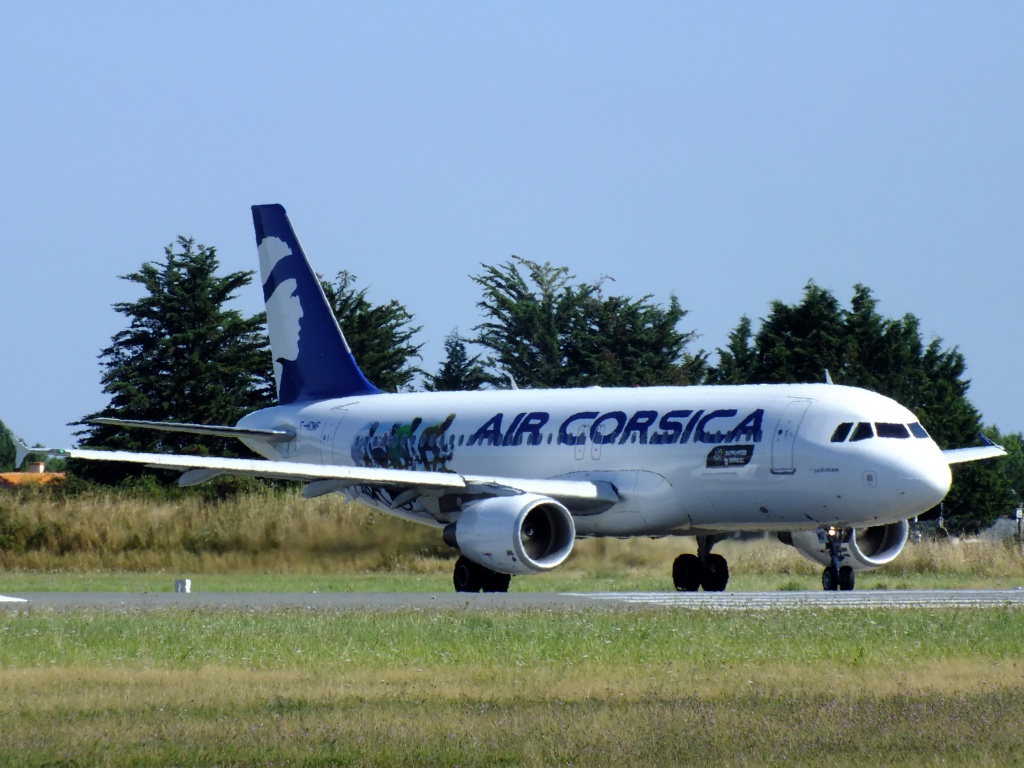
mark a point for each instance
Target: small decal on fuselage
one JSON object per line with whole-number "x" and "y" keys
{"x": 730, "y": 456}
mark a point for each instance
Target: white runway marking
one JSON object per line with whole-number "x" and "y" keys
{"x": 5, "y": 599}
{"x": 750, "y": 601}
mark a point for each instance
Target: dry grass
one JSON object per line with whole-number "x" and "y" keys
{"x": 277, "y": 531}
{"x": 264, "y": 530}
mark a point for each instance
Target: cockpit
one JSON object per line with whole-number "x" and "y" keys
{"x": 852, "y": 432}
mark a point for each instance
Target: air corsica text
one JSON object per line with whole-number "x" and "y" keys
{"x": 644, "y": 427}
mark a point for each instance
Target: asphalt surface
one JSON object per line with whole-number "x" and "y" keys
{"x": 511, "y": 601}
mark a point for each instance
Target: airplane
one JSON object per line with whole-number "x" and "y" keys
{"x": 512, "y": 478}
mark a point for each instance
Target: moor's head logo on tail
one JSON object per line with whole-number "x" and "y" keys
{"x": 312, "y": 360}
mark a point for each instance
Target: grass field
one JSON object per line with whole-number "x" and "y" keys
{"x": 532, "y": 688}
{"x": 620, "y": 687}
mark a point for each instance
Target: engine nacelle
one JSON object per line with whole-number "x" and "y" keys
{"x": 521, "y": 535}
{"x": 866, "y": 548}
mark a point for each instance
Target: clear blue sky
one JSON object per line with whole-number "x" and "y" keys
{"x": 726, "y": 152}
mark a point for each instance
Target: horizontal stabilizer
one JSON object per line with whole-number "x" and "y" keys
{"x": 22, "y": 451}
{"x": 212, "y": 430}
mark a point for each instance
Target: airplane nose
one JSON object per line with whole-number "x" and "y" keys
{"x": 927, "y": 482}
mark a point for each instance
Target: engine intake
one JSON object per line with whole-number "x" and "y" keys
{"x": 521, "y": 535}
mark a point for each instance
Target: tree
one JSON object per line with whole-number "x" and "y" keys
{"x": 183, "y": 357}
{"x": 795, "y": 343}
{"x": 528, "y": 325}
{"x": 380, "y": 336}
{"x": 7, "y": 450}
{"x": 861, "y": 348}
{"x": 459, "y": 371}
{"x": 548, "y": 331}
{"x": 1011, "y": 466}
{"x": 737, "y": 363}
{"x": 624, "y": 342}
{"x": 978, "y": 496}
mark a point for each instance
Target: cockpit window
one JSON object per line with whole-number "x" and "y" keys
{"x": 842, "y": 431}
{"x": 862, "y": 432}
{"x": 885, "y": 429}
{"x": 917, "y": 430}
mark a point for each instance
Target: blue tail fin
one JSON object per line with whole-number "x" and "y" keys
{"x": 312, "y": 360}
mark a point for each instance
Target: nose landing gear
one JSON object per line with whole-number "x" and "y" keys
{"x": 836, "y": 575}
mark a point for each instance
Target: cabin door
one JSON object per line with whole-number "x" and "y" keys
{"x": 784, "y": 438}
{"x": 331, "y": 452}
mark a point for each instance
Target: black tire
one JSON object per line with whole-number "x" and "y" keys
{"x": 830, "y": 579}
{"x": 716, "y": 574}
{"x": 497, "y": 582}
{"x": 847, "y": 578}
{"x": 468, "y": 576}
{"x": 686, "y": 573}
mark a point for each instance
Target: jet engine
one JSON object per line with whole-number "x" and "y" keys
{"x": 867, "y": 548}
{"x": 521, "y": 535}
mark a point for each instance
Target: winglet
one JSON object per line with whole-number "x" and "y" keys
{"x": 312, "y": 360}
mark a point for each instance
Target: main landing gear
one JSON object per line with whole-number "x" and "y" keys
{"x": 473, "y": 577}
{"x": 836, "y": 575}
{"x": 691, "y": 572}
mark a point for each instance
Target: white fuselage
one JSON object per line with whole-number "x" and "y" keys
{"x": 681, "y": 459}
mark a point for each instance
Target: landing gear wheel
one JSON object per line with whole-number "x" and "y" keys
{"x": 497, "y": 582}
{"x": 716, "y": 574}
{"x": 468, "y": 576}
{"x": 830, "y": 579}
{"x": 846, "y": 578}
{"x": 686, "y": 573}
{"x": 473, "y": 577}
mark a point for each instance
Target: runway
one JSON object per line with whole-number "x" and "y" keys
{"x": 513, "y": 601}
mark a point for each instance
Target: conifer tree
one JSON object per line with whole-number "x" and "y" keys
{"x": 379, "y": 335}
{"x": 459, "y": 371}
{"x": 547, "y": 330}
{"x": 7, "y": 450}
{"x": 183, "y": 357}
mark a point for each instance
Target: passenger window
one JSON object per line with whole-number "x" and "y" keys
{"x": 917, "y": 430}
{"x": 862, "y": 432}
{"x": 892, "y": 430}
{"x": 842, "y": 431}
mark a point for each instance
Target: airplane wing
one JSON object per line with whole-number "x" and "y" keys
{"x": 987, "y": 451}
{"x": 579, "y": 496}
{"x": 959, "y": 455}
